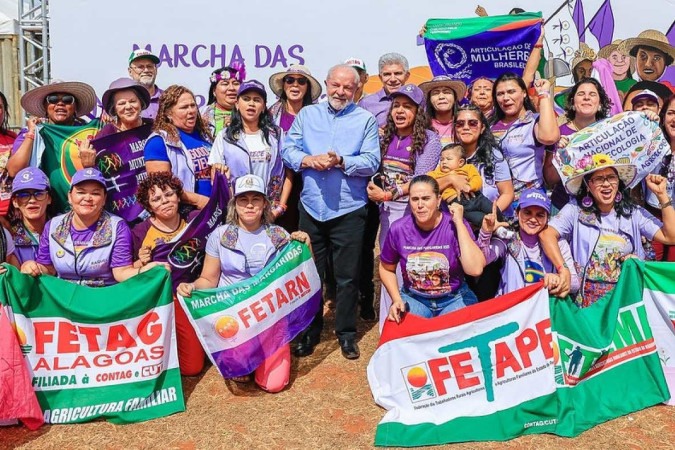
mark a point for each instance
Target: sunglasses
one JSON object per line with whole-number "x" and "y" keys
{"x": 473, "y": 123}
{"x": 300, "y": 80}
{"x": 65, "y": 99}
{"x": 25, "y": 196}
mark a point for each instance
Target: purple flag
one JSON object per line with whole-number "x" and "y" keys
{"x": 242, "y": 324}
{"x": 579, "y": 20}
{"x": 185, "y": 253}
{"x": 120, "y": 159}
{"x": 669, "y": 74}
{"x": 602, "y": 24}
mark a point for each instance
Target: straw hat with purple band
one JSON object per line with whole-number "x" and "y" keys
{"x": 650, "y": 38}
{"x": 411, "y": 91}
{"x": 88, "y": 174}
{"x": 277, "y": 80}
{"x": 645, "y": 93}
{"x": 121, "y": 84}
{"x": 30, "y": 178}
{"x": 33, "y": 101}
{"x": 356, "y": 63}
{"x": 249, "y": 183}
{"x": 458, "y": 87}
{"x": 534, "y": 197}
{"x": 589, "y": 164}
{"x": 143, "y": 53}
{"x": 252, "y": 85}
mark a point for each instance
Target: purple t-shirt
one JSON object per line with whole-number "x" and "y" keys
{"x": 121, "y": 254}
{"x": 396, "y": 163}
{"x": 377, "y": 104}
{"x": 429, "y": 260}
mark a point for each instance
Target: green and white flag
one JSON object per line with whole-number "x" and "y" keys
{"x": 61, "y": 157}
{"x": 519, "y": 364}
{"x": 106, "y": 352}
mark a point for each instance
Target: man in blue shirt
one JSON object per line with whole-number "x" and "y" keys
{"x": 335, "y": 146}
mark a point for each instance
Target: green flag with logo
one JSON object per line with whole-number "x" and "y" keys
{"x": 521, "y": 364}
{"x": 94, "y": 353}
{"x": 60, "y": 159}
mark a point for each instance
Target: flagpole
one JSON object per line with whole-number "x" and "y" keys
{"x": 565, "y": 3}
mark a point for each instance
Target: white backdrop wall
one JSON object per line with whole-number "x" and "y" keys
{"x": 91, "y": 40}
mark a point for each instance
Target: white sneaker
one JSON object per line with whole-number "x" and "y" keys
{"x": 505, "y": 233}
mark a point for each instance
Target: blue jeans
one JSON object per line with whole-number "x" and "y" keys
{"x": 432, "y": 307}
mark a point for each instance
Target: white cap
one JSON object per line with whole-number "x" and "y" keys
{"x": 249, "y": 183}
{"x": 356, "y": 63}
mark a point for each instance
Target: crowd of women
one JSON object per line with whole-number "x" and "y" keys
{"x": 470, "y": 203}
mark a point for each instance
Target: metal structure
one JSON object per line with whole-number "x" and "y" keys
{"x": 33, "y": 43}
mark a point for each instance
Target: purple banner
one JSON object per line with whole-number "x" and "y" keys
{"x": 120, "y": 159}
{"x": 185, "y": 253}
{"x": 465, "y": 49}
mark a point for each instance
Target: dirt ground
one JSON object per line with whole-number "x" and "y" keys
{"x": 327, "y": 406}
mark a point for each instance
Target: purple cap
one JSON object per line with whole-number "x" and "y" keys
{"x": 88, "y": 174}
{"x": 645, "y": 93}
{"x": 534, "y": 197}
{"x": 30, "y": 178}
{"x": 253, "y": 85}
{"x": 412, "y": 92}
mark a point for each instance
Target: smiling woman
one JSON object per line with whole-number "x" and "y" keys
{"x": 239, "y": 250}
{"x": 88, "y": 245}
{"x": 603, "y": 227}
{"x": 59, "y": 103}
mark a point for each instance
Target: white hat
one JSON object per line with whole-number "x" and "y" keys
{"x": 249, "y": 183}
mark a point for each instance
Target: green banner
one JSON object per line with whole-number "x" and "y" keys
{"x": 61, "y": 159}
{"x": 98, "y": 352}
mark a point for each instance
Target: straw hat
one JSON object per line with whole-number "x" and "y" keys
{"x": 277, "y": 80}
{"x": 33, "y": 101}
{"x": 458, "y": 87}
{"x": 651, "y": 38}
{"x": 590, "y": 164}
{"x": 584, "y": 53}
{"x": 618, "y": 45}
{"x": 607, "y": 50}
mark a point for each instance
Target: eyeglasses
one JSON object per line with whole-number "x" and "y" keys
{"x": 300, "y": 80}
{"x": 25, "y": 196}
{"x": 143, "y": 67}
{"x": 473, "y": 123}
{"x": 168, "y": 195}
{"x": 600, "y": 180}
{"x": 65, "y": 99}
